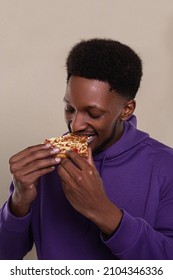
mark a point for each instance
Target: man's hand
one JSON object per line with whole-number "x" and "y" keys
{"x": 27, "y": 166}
{"x": 84, "y": 189}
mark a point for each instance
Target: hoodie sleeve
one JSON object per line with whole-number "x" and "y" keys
{"x": 149, "y": 237}
{"x": 136, "y": 239}
{"x": 15, "y": 234}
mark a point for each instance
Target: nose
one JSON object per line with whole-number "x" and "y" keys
{"x": 78, "y": 122}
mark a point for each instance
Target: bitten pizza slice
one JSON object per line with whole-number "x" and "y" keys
{"x": 70, "y": 141}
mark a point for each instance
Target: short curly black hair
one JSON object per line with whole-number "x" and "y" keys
{"x": 109, "y": 61}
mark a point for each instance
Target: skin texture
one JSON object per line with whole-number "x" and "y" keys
{"x": 90, "y": 109}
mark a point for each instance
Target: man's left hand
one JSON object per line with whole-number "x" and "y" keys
{"x": 84, "y": 189}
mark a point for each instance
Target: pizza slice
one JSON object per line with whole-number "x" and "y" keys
{"x": 70, "y": 141}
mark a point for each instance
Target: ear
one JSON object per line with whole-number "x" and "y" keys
{"x": 128, "y": 110}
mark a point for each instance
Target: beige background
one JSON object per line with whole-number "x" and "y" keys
{"x": 35, "y": 36}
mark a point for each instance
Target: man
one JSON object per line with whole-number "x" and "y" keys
{"x": 118, "y": 203}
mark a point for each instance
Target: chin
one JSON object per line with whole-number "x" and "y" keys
{"x": 96, "y": 149}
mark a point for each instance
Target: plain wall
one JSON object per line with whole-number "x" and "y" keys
{"x": 35, "y": 37}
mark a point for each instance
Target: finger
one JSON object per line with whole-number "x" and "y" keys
{"x": 64, "y": 175}
{"x": 29, "y": 179}
{"x": 76, "y": 158}
{"x": 69, "y": 173}
{"x": 69, "y": 167}
{"x": 34, "y": 156}
{"x": 78, "y": 167}
{"x": 28, "y": 151}
{"x": 74, "y": 174}
{"x": 38, "y": 164}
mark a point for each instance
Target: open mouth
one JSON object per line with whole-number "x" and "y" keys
{"x": 91, "y": 138}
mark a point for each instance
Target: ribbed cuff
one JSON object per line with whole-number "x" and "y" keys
{"x": 125, "y": 235}
{"x": 10, "y": 222}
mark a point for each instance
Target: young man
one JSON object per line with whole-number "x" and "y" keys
{"x": 118, "y": 203}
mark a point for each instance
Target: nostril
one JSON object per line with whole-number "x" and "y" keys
{"x": 78, "y": 123}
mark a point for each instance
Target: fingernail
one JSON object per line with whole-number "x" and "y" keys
{"x": 57, "y": 160}
{"x": 48, "y": 145}
{"x": 54, "y": 151}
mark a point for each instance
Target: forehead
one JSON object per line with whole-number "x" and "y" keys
{"x": 88, "y": 92}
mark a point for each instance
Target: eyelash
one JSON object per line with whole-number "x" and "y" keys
{"x": 71, "y": 110}
{"x": 95, "y": 116}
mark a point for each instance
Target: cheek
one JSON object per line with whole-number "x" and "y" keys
{"x": 106, "y": 124}
{"x": 105, "y": 131}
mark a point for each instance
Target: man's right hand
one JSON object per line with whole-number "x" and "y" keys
{"x": 27, "y": 167}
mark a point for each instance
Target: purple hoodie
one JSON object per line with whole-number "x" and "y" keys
{"x": 137, "y": 172}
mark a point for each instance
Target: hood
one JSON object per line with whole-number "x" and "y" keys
{"x": 130, "y": 138}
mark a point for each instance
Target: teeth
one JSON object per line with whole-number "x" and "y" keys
{"x": 90, "y": 138}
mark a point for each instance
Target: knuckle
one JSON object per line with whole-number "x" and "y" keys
{"x": 37, "y": 164}
{"x": 20, "y": 178}
{"x": 12, "y": 169}
{"x": 29, "y": 149}
{"x": 26, "y": 181}
{"x": 79, "y": 178}
{"x": 23, "y": 181}
{"x": 17, "y": 176}
{"x": 11, "y": 160}
{"x": 90, "y": 172}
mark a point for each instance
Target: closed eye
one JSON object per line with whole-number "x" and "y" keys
{"x": 95, "y": 116}
{"x": 69, "y": 109}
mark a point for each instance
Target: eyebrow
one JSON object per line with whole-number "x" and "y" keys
{"x": 94, "y": 106}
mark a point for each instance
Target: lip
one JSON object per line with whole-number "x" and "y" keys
{"x": 89, "y": 135}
